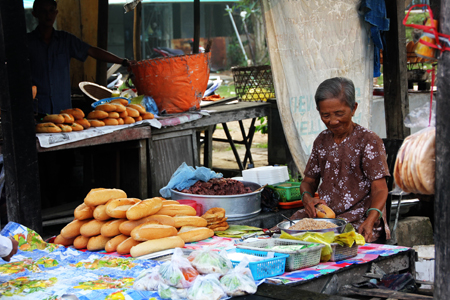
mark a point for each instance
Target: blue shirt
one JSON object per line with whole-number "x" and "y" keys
{"x": 50, "y": 68}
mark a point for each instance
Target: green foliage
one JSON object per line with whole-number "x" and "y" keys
{"x": 263, "y": 127}
{"x": 414, "y": 18}
{"x": 235, "y": 57}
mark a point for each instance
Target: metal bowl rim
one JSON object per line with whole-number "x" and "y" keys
{"x": 334, "y": 221}
{"x": 222, "y": 196}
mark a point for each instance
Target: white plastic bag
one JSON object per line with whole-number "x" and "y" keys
{"x": 207, "y": 261}
{"x": 206, "y": 287}
{"x": 148, "y": 280}
{"x": 239, "y": 281}
{"x": 169, "y": 292}
{"x": 178, "y": 272}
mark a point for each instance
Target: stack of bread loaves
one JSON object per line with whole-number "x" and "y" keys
{"x": 68, "y": 120}
{"x": 414, "y": 169}
{"x": 109, "y": 220}
{"x": 215, "y": 218}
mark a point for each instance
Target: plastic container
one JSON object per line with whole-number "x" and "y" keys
{"x": 289, "y": 191}
{"x": 343, "y": 252}
{"x": 291, "y": 204}
{"x": 197, "y": 206}
{"x": 297, "y": 259}
{"x": 265, "y": 268}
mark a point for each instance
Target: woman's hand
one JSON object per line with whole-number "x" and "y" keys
{"x": 309, "y": 203}
{"x": 366, "y": 229}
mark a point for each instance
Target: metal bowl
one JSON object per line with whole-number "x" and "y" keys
{"x": 340, "y": 223}
{"x": 237, "y": 207}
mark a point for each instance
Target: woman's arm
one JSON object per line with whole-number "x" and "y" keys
{"x": 310, "y": 185}
{"x": 104, "y": 55}
{"x": 378, "y": 194}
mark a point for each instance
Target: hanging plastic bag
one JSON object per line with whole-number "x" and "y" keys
{"x": 239, "y": 281}
{"x": 207, "y": 261}
{"x": 148, "y": 280}
{"x": 178, "y": 272}
{"x": 420, "y": 117}
{"x": 206, "y": 287}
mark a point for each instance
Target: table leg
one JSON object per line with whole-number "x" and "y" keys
{"x": 233, "y": 147}
{"x": 207, "y": 150}
{"x": 247, "y": 140}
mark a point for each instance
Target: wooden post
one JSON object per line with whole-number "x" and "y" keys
{"x": 102, "y": 40}
{"x": 23, "y": 199}
{"x": 196, "y": 45}
{"x": 137, "y": 30}
{"x": 441, "y": 204}
{"x": 396, "y": 105}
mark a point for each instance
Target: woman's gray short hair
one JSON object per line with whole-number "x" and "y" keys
{"x": 338, "y": 87}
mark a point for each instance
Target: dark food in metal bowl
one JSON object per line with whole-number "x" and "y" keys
{"x": 218, "y": 186}
{"x": 285, "y": 225}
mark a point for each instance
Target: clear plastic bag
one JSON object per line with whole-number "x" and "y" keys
{"x": 148, "y": 280}
{"x": 420, "y": 117}
{"x": 206, "y": 287}
{"x": 166, "y": 291}
{"x": 239, "y": 281}
{"x": 207, "y": 261}
{"x": 178, "y": 272}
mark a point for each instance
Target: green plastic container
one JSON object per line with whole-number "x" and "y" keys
{"x": 289, "y": 191}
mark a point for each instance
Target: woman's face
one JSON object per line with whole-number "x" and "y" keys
{"x": 336, "y": 115}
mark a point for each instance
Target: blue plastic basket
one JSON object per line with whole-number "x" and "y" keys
{"x": 265, "y": 268}
{"x": 107, "y": 100}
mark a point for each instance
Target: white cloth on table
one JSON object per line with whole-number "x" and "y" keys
{"x": 5, "y": 246}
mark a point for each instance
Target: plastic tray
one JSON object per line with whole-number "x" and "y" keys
{"x": 292, "y": 204}
{"x": 289, "y": 191}
{"x": 265, "y": 268}
{"x": 298, "y": 259}
{"x": 343, "y": 252}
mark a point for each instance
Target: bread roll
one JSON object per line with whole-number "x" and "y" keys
{"x": 83, "y": 212}
{"x": 125, "y": 246}
{"x": 128, "y": 226}
{"x": 60, "y": 240}
{"x": 132, "y": 112}
{"x": 137, "y": 119}
{"x": 181, "y": 221}
{"x": 124, "y": 102}
{"x": 144, "y": 208}
{"x": 92, "y": 228}
{"x": 68, "y": 118}
{"x": 97, "y": 114}
{"x": 81, "y": 242}
{"x": 96, "y": 123}
{"x": 55, "y": 118}
{"x": 100, "y": 212}
{"x": 157, "y": 245}
{"x": 111, "y": 245}
{"x": 106, "y": 107}
{"x": 83, "y": 122}
{"x": 47, "y": 127}
{"x": 113, "y": 115}
{"x": 101, "y": 196}
{"x": 120, "y": 120}
{"x": 167, "y": 202}
{"x": 119, "y": 107}
{"x": 76, "y": 127}
{"x": 97, "y": 243}
{"x": 138, "y": 107}
{"x": 75, "y": 112}
{"x": 72, "y": 229}
{"x": 177, "y": 210}
{"x": 111, "y": 228}
{"x": 148, "y": 116}
{"x": 64, "y": 127}
{"x": 117, "y": 208}
{"x": 146, "y": 231}
{"x": 196, "y": 234}
{"x": 128, "y": 120}
{"x": 110, "y": 121}
{"x": 324, "y": 211}
{"x": 124, "y": 114}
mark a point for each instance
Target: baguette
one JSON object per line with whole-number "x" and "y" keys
{"x": 97, "y": 114}
{"x": 144, "y": 208}
{"x": 137, "y": 119}
{"x": 128, "y": 120}
{"x": 97, "y": 243}
{"x": 76, "y": 127}
{"x": 48, "y": 127}
{"x": 55, "y": 118}
{"x": 75, "y": 112}
{"x": 83, "y": 212}
{"x": 195, "y": 234}
{"x": 148, "y": 116}
{"x": 101, "y": 196}
{"x": 127, "y": 226}
{"x": 120, "y": 120}
{"x": 96, "y": 123}
{"x": 117, "y": 208}
{"x": 323, "y": 211}
{"x": 147, "y": 231}
{"x": 68, "y": 118}
{"x": 138, "y": 107}
{"x": 132, "y": 112}
{"x": 167, "y": 202}
{"x": 124, "y": 102}
{"x": 72, "y": 229}
{"x": 123, "y": 114}
{"x": 60, "y": 240}
{"x": 81, "y": 242}
{"x": 157, "y": 245}
{"x": 100, "y": 212}
{"x": 64, "y": 127}
{"x": 110, "y": 121}
{"x": 119, "y": 107}
{"x": 177, "y": 210}
{"x": 107, "y": 107}
{"x": 181, "y": 221}
{"x": 83, "y": 122}
{"x": 111, "y": 228}
{"x": 111, "y": 245}
{"x": 91, "y": 228}
{"x": 125, "y": 246}
{"x": 113, "y": 115}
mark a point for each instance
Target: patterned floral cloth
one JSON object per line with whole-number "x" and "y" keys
{"x": 347, "y": 170}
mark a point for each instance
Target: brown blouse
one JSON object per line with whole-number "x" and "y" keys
{"x": 347, "y": 171}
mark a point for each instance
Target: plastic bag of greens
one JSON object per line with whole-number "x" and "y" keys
{"x": 206, "y": 287}
{"x": 148, "y": 280}
{"x": 178, "y": 272}
{"x": 169, "y": 292}
{"x": 206, "y": 261}
{"x": 239, "y": 281}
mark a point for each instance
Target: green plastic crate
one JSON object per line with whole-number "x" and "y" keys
{"x": 289, "y": 191}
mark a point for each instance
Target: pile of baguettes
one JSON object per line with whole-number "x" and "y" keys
{"x": 109, "y": 220}
{"x": 414, "y": 169}
{"x": 116, "y": 112}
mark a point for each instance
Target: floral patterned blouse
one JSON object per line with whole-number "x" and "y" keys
{"x": 347, "y": 171}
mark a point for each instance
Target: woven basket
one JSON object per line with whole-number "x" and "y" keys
{"x": 176, "y": 83}
{"x": 94, "y": 91}
{"x": 253, "y": 83}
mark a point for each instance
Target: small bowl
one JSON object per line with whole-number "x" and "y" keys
{"x": 340, "y": 223}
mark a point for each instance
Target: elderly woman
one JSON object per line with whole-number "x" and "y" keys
{"x": 350, "y": 160}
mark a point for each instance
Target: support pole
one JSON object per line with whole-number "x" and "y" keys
{"x": 23, "y": 199}
{"x": 137, "y": 31}
{"x": 196, "y": 46}
{"x": 102, "y": 40}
